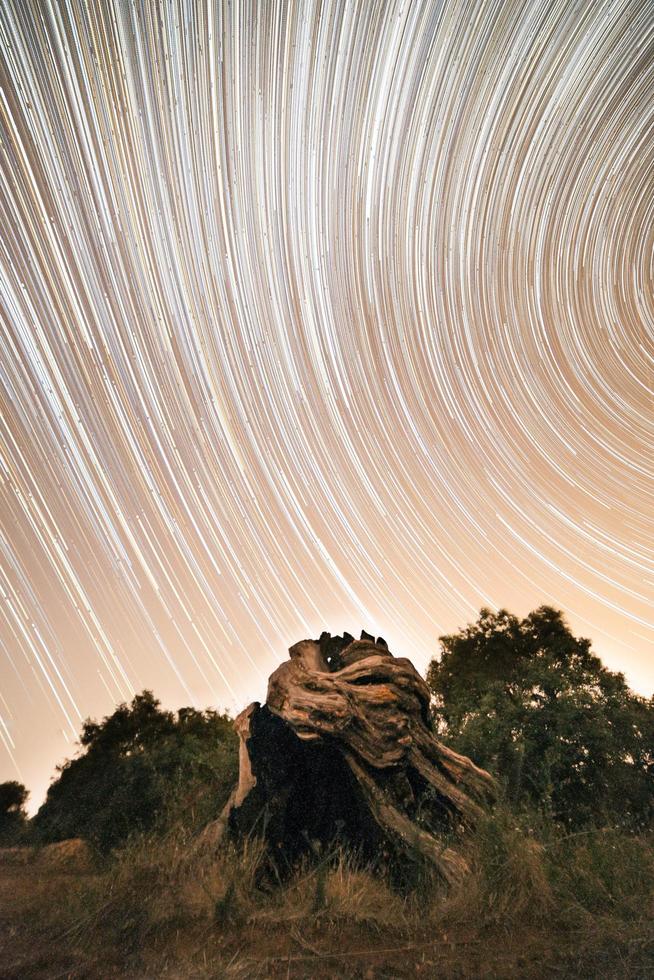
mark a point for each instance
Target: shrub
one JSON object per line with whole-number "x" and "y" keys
{"x": 140, "y": 768}
{"x": 13, "y": 818}
{"x": 529, "y": 701}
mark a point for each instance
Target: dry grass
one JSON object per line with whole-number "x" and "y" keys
{"x": 508, "y": 883}
{"x": 575, "y": 907}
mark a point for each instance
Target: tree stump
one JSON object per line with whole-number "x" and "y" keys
{"x": 343, "y": 752}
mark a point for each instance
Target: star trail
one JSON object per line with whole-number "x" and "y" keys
{"x": 315, "y": 316}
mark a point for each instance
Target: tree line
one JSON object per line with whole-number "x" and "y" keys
{"x": 524, "y": 698}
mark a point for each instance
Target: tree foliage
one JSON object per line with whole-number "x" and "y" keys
{"x": 140, "y": 767}
{"x": 531, "y": 702}
{"x": 13, "y": 818}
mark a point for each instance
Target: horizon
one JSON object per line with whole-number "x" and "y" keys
{"x": 315, "y": 315}
{"x": 36, "y": 799}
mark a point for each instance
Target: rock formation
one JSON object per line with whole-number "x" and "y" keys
{"x": 343, "y": 752}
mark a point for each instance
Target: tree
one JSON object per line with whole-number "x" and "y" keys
{"x": 13, "y": 818}
{"x": 531, "y": 702}
{"x": 342, "y": 754}
{"x": 139, "y": 768}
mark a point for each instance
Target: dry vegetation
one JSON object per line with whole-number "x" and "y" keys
{"x": 537, "y": 903}
{"x": 548, "y": 894}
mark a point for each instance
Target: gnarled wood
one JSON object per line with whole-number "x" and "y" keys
{"x": 343, "y": 751}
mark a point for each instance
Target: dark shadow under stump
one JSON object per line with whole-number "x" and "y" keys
{"x": 305, "y": 800}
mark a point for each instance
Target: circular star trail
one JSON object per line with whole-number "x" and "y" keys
{"x": 315, "y": 316}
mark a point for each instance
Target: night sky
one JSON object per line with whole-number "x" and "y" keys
{"x": 315, "y": 316}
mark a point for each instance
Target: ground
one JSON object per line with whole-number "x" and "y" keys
{"x": 34, "y": 902}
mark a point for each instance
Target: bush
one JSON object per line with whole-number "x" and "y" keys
{"x": 13, "y": 818}
{"x": 529, "y": 701}
{"x": 140, "y": 768}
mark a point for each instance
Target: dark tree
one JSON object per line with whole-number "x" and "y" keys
{"x": 140, "y": 767}
{"x": 13, "y": 818}
{"x": 531, "y": 702}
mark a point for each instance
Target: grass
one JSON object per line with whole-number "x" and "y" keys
{"x": 536, "y": 903}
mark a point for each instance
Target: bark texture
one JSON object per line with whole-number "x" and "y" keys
{"x": 343, "y": 752}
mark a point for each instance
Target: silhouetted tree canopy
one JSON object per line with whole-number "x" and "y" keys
{"x": 13, "y": 818}
{"x": 529, "y": 701}
{"x": 140, "y": 767}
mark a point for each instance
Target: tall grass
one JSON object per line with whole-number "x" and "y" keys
{"x": 535, "y": 900}
{"x": 508, "y": 881}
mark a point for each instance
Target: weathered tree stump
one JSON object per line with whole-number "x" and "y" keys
{"x": 343, "y": 752}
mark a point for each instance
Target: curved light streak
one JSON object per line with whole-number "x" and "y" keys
{"x": 316, "y": 316}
